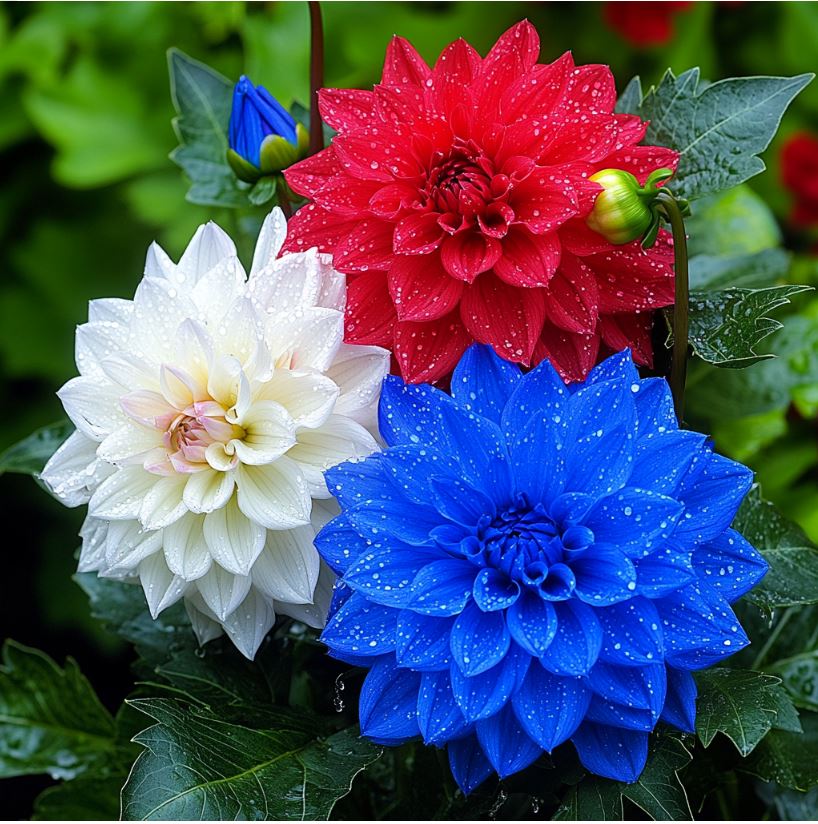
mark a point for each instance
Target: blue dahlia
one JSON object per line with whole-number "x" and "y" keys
{"x": 529, "y": 563}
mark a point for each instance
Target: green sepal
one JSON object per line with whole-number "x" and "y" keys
{"x": 276, "y": 153}
{"x": 303, "y": 140}
{"x": 263, "y": 190}
{"x": 243, "y": 169}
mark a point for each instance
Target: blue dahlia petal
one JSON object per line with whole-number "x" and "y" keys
{"x": 729, "y": 564}
{"x": 602, "y": 711}
{"x": 661, "y": 460}
{"x": 479, "y": 639}
{"x": 385, "y": 573}
{"x": 506, "y": 744}
{"x": 618, "y": 367}
{"x": 469, "y": 765}
{"x": 443, "y": 587}
{"x": 388, "y": 703}
{"x": 339, "y": 543}
{"x": 654, "y": 406}
{"x": 599, "y": 438}
{"x": 485, "y": 694}
{"x": 541, "y": 479}
{"x": 407, "y": 413}
{"x": 627, "y": 697}
{"x": 360, "y": 627}
{"x": 541, "y": 391}
{"x": 633, "y": 519}
{"x": 355, "y": 481}
{"x": 611, "y": 752}
{"x": 700, "y": 629}
{"x": 680, "y": 703}
{"x": 532, "y": 623}
{"x": 439, "y": 717}
{"x": 460, "y": 502}
{"x": 493, "y": 590}
{"x": 550, "y": 707}
{"x": 483, "y": 381}
{"x": 413, "y": 466}
{"x": 604, "y": 575}
{"x": 408, "y": 522}
{"x": 664, "y": 571}
{"x": 711, "y": 492}
{"x": 631, "y": 633}
{"x": 577, "y": 642}
{"x": 422, "y": 641}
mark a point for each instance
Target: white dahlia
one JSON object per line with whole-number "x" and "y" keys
{"x": 207, "y": 410}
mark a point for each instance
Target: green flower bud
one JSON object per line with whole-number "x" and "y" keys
{"x": 624, "y": 210}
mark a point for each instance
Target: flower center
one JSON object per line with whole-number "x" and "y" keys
{"x": 198, "y": 428}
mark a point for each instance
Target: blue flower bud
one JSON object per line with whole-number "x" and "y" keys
{"x": 263, "y": 137}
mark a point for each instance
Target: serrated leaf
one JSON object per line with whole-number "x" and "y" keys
{"x": 51, "y": 720}
{"x": 726, "y": 325}
{"x": 719, "y": 129}
{"x": 30, "y": 455}
{"x": 751, "y": 271}
{"x": 793, "y": 558}
{"x": 658, "y": 792}
{"x": 83, "y": 799}
{"x": 743, "y": 705}
{"x": 203, "y": 98}
{"x": 199, "y": 766}
{"x": 788, "y": 758}
{"x": 800, "y": 677}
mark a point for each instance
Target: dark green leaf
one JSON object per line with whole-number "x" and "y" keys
{"x": 658, "y": 792}
{"x": 751, "y": 271}
{"x": 84, "y": 799}
{"x": 203, "y": 98}
{"x": 793, "y": 558}
{"x": 51, "y": 720}
{"x": 726, "y": 325}
{"x": 198, "y": 765}
{"x": 791, "y": 805}
{"x": 263, "y": 191}
{"x": 30, "y": 455}
{"x": 788, "y": 758}
{"x": 743, "y": 705}
{"x": 800, "y": 676}
{"x": 718, "y": 129}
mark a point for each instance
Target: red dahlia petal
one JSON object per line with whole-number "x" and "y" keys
{"x": 593, "y": 89}
{"x": 361, "y": 155}
{"x": 528, "y": 260}
{"x": 631, "y": 128}
{"x": 422, "y": 289}
{"x": 367, "y": 246}
{"x": 312, "y": 226}
{"x": 347, "y": 195}
{"x": 468, "y": 253}
{"x": 427, "y": 352}
{"x": 588, "y": 137}
{"x": 629, "y": 330}
{"x": 393, "y": 198}
{"x": 403, "y": 65}
{"x": 455, "y": 68}
{"x": 539, "y": 91}
{"x": 577, "y": 237}
{"x": 370, "y": 315}
{"x": 347, "y": 108}
{"x": 571, "y": 299}
{"x": 307, "y": 176}
{"x": 544, "y": 200}
{"x": 417, "y": 234}
{"x": 641, "y": 160}
{"x": 507, "y": 318}
{"x": 573, "y": 356}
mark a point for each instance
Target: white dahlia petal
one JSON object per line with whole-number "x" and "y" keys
{"x": 158, "y": 264}
{"x": 209, "y": 247}
{"x": 314, "y": 614}
{"x": 129, "y": 370}
{"x": 270, "y": 240}
{"x": 114, "y": 312}
{"x": 218, "y": 288}
{"x": 127, "y": 545}
{"x": 193, "y": 349}
{"x": 164, "y": 502}
{"x": 310, "y": 338}
{"x": 119, "y": 497}
{"x": 249, "y": 622}
{"x": 234, "y": 540}
{"x": 222, "y": 591}
{"x": 95, "y": 342}
{"x": 308, "y": 397}
{"x": 208, "y": 489}
{"x": 205, "y": 625}
{"x": 186, "y": 550}
{"x": 269, "y": 432}
{"x": 287, "y": 569}
{"x": 276, "y": 496}
{"x": 92, "y": 555}
{"x": 333, "y": 293}
{"x": 359, "y": 372}
{"x": 129, "y": 442}
{"x": 93, "y": 406}
{"x": 73, "y": 471}
{"x": 287, "y": 285}
{"x": 162, "y": 588}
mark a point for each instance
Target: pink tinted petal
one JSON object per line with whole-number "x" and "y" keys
{"x": 417, "y": 234}
{"x": 367, "y": 246}
{"x": 427, "y": 352}
{"x": 507, "y": 318}
{"x": 573, "y": 356}
{"x": 312, "y": 226}
{"x": 629, "y": 330}
{"x": 370, "y": 315}
{"x": 313, "y": 172}
{"x": 528, "y": 260}
{"x": 571, "y": 298}
{"x": 468, "y": 253}
{"x": 347, "y": 109}
{"x": 422, "y": 289}
{"x": 403, "y": 65}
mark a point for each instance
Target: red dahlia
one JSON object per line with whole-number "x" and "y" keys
{"x": 799, "y": 174}
{"x": 644, "y": 23}
{"x": 455, "y": 199}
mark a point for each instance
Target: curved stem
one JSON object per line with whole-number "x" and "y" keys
{"x": 283, "y": 194}
{"x": 316, "y": 75}
{"x": 678, "y": 369}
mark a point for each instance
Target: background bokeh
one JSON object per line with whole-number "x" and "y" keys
{"x": 85, "y": 132}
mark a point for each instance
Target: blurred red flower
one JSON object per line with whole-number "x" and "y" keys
{"x": 455, "y": 199}
{"x": 799, "y": 174}
{"x": 643, "y": 24}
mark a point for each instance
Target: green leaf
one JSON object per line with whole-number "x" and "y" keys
{"x": 51, "y": 720}
{"x": 263, "y": 191}
{"x": 752, "y": 271}
{"x": 800, "y": 677}
{"x": 743, "y": 705}
{"x": 719, "y": 129}
{"x": 203, "y": 98}
{"x": 197, "y": 765}
{"x": 791, "y": 805}
{"x": 84, "y": 799}
{"x": 30, "y": 455}
{"x": 793, "y": 558}
{"x": 658, "y": 792}
{"x": 727, "y": 325}
{"x": 788, "y": 758}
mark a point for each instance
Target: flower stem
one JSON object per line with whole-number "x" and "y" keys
{"x": 283, "y": 194}
{"x": 681, "y": 306}
{"x": 316, "y": 75}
